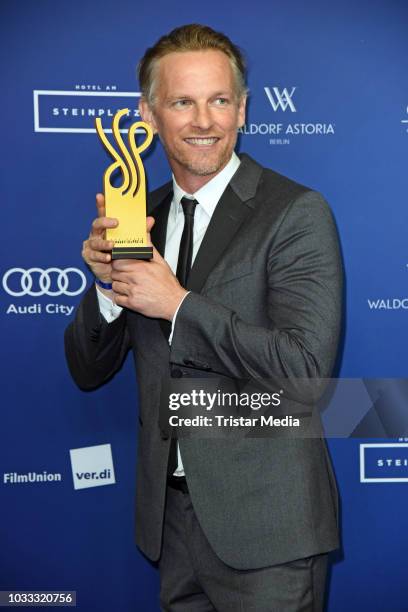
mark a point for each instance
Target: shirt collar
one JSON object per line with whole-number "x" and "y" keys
{"x": 209, "y": 195}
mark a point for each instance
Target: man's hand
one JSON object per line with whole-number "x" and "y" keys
{"x": 148, "y": 287}
{"x": 96, "y": 250}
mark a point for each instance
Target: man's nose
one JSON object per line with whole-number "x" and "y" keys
{"x": 202, "y": 117}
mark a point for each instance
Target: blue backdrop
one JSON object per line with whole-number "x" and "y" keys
{"x": 329, "y": 108}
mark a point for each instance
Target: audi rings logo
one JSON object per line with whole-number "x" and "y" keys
{"x": 37, "y": 282}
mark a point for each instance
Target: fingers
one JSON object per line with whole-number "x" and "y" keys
{"x": 101, "y": 224}
{"x": 150, "y": 221}
{"x": 97, "y": 250}
{"x": 127, "y": 265}
{"x": 100, "y": 204}
{"x": 99, "y": 244}
{"x": 120, "y": 288}
{"x": 157, "y": 258}
{"x": 95, "y": 256}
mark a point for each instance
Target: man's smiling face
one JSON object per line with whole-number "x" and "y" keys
{"x": 196, "y": 113}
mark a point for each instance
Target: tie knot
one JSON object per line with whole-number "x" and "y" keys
{"x": 188, "y": 206}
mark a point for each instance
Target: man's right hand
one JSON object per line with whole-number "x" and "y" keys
{"x": 96, "y": 250}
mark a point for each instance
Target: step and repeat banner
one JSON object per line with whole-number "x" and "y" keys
{"x": 328, "y": 107}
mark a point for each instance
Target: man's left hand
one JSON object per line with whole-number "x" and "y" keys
{"x": 148, "y": 287}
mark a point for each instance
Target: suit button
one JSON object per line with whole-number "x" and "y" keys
{"x": 164, "y": 434}
{"x": 176, "y": 373}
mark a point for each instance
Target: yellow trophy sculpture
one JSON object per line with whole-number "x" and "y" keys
{"x": 127, "y": 203}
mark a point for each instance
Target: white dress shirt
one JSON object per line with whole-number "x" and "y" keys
{"x": 207, "y": 199}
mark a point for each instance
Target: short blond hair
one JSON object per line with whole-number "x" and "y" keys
{"x": 191, "y": 37}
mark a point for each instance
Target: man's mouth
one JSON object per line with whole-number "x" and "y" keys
{"x": 208, "y": 141}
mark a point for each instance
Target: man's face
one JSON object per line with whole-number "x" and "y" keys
{"x": 196, "y": 113}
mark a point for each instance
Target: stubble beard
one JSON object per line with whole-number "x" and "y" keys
{"x": 201, "y": 166}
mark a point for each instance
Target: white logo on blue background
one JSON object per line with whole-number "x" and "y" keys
{"x": 36, "y": 282}
{"x": 281, "y": 99}
{"x": 92, "y": 466}
{"x": 385, "y": 462}
{"x": 75, "y": 111}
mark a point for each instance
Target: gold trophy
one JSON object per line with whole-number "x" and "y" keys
{"x": 126, "y": 203}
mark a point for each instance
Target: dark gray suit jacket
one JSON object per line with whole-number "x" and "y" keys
{"x": 265, "y": 302}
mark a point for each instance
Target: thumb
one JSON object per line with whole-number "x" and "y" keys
{"x": 150, "y": 221}
{"x": 157, "y": 257}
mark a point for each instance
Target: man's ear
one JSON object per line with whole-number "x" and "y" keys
{"x": 241, "y": 111}
{"x": 146, "y": 114}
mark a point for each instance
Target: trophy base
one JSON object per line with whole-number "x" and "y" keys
{"x": 132, "y": 252}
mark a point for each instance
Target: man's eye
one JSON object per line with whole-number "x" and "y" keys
{"x": 221, "y": 101}
{"x": 182, "y": 103}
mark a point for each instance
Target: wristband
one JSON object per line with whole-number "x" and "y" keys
{"x": 103, "y": 285}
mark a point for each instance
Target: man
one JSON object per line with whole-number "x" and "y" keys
{"x": 243, "y": 523}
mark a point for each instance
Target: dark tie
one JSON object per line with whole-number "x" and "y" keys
{"x": 183, "y": 270}
{"x": 186, "y": 242}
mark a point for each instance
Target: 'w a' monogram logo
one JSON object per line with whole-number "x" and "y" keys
{"x": 280, "y": 99}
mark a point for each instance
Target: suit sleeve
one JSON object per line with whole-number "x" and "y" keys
{"x": 302, "y": 303}
{"x": 94, "y": 349}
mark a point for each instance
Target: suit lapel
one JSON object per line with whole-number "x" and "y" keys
{"x": 227, "y": 218}
{"x": 235, "y": 205}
